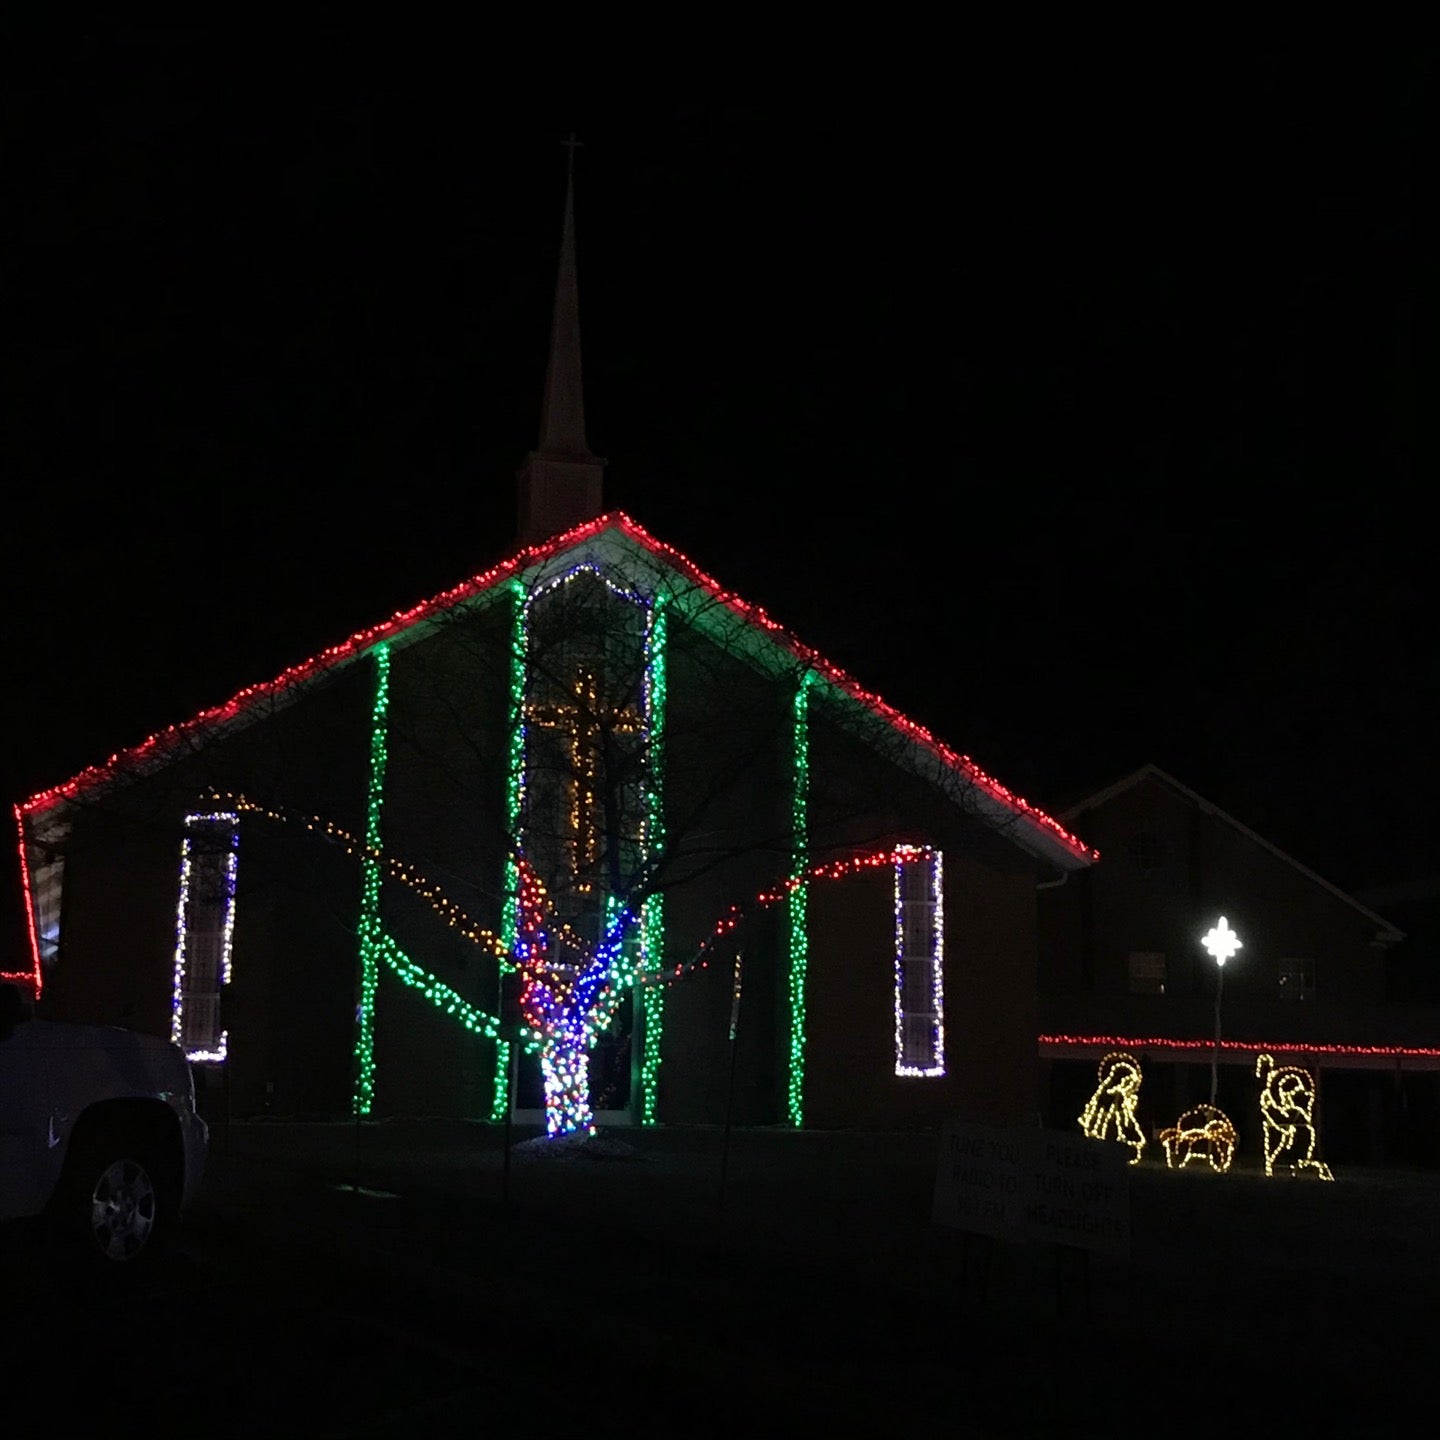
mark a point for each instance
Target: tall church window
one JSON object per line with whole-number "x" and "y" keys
{"x": 919, "y": 962}
{"x": 586, "y": 730}
{"x": 584, "y": 808}
{"x": 205, "y": 923}
{"x": 589, "y": 724}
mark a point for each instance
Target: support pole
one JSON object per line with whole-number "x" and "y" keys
{"x": 730, "y": 1083}
{"x": 1215, "y": 1060}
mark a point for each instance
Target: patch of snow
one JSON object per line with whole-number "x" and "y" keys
{"x": 577, "y": 1147}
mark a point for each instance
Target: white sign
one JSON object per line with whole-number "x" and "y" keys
{"x": 1035, "y": 1185}
{"x": 1080, "y": 1192}
{"x": 978, "y": 1181}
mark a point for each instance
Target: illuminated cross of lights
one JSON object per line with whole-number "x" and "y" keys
{"x": 583, "y": 720}
{"x": 1222, "y": 942}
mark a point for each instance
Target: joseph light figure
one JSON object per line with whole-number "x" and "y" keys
{"x": 1287, "y": 1108}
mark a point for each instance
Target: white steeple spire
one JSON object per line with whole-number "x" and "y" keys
{"x": 560, "y": 481}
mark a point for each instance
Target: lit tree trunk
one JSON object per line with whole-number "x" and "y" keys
{"x": 565, "y": 1065}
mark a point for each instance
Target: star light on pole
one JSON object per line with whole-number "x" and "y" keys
{"x": 1222, "y": 943}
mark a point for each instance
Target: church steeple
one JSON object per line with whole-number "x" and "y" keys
{"x": 560, "y": 481}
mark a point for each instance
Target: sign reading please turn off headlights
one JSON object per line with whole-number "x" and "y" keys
{"x": 1034, "y": 1185}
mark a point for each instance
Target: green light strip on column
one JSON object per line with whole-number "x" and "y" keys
{"x": 370, "y": 937}
{"x": 514, "y": 799}
{"x": 799, "y": 935}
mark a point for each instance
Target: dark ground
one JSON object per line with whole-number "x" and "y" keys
{"x": 396, "y": 1281}
{"x": 815, "y": 1279}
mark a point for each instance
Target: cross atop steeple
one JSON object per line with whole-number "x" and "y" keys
{"x": 560, "y": 481}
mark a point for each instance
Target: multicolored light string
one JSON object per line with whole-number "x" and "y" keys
{"x": 568, "y": 1007}
{"x": 428, "y": 890}
{"x": 708, "y": 594}
{"x": 553, "y": 994}
{"x": 562, "y": 1006}
{"x": 584, "y": 716}
{"x": 531, "y": 893}
{"x": 736, "y": 915}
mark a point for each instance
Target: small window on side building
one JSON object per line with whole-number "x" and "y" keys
{"x": 1147, "y": 972}
{"x": 1297, "y": 979}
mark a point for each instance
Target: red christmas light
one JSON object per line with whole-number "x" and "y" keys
{"x": 32, "y": 979}
{"x": 1238, "y": 1047}
{"x": 162, "y": 741}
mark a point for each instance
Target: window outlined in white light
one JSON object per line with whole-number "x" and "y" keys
{"x": 204, "y": 926}
{"x": 919, "y": 962}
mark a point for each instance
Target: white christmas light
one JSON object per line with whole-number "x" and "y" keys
{"x": 1222, "y": 942}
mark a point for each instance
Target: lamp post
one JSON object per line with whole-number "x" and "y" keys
{"x": 1222, "y": 942}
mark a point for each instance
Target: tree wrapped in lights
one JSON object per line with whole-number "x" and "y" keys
{"x": 566, "y": 1004}
{"x": 591, "y": 848}
{"x": 567, "y": 992}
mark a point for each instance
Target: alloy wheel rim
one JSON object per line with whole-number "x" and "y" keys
{"x": 122, "y": 1210}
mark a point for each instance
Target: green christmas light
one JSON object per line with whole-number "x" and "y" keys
{"x": 441, "y": 995}
{"x": 799, "y": 894}
{"x": 514, "y": 802}
{"x": 579, "y": 712}
{"x": 652, "y": 914}
{"x": 369, "y": 928}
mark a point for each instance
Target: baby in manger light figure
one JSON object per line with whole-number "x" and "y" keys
{"x": 1112, "y": 1106}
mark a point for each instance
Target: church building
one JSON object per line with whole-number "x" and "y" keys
{"x": 586, "y": 838}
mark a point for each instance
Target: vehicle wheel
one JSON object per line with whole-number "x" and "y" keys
{"x": 113, "y": 1203}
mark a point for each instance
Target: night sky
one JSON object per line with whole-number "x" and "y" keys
{"x": 1078, "y": 415}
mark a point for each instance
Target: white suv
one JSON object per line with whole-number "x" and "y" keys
{"x": 98, "y": 1132}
